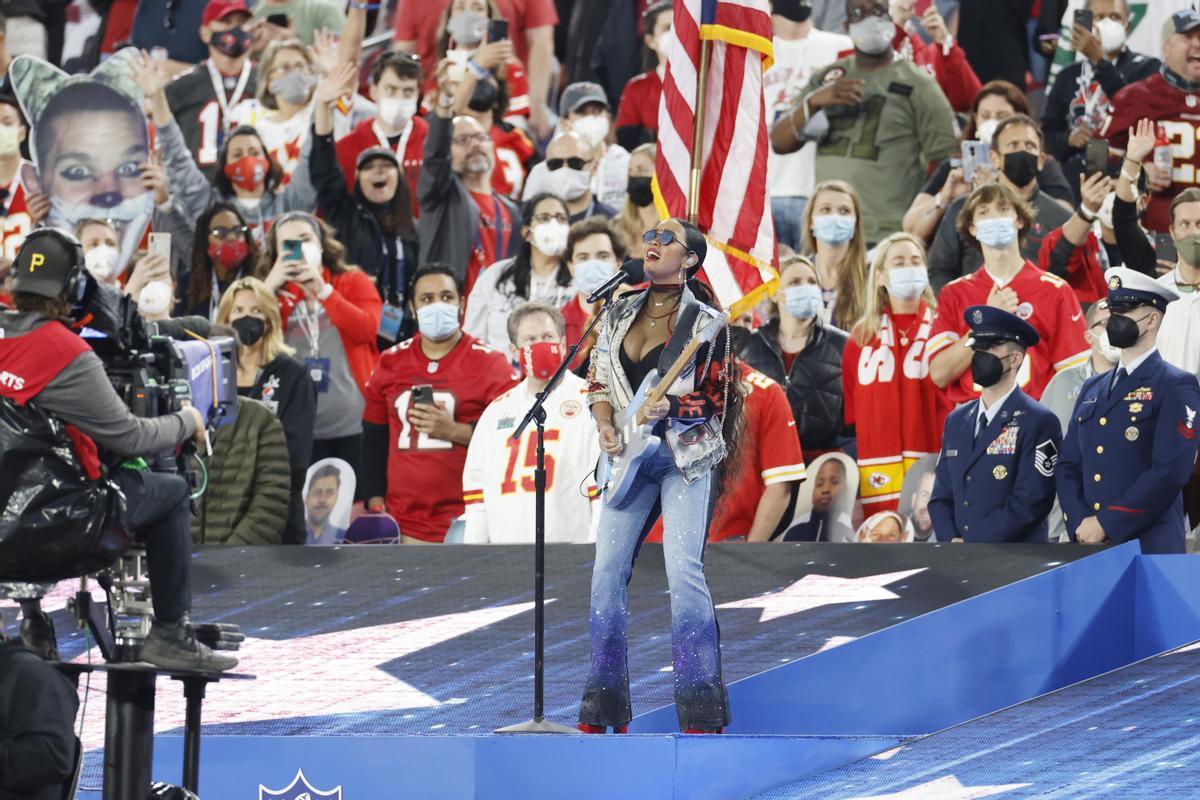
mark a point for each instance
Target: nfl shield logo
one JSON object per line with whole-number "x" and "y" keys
{"x": 299, "y": 789}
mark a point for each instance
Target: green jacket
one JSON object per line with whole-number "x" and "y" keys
{"x": 249, "y": 481}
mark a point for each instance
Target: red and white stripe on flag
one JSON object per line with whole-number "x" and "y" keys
{"x": 734, "y": 210}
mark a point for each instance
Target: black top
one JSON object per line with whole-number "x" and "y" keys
{"x": 636, "y": 371}
{"x": 37, "y": 717}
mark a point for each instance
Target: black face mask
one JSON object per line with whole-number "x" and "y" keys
{"x": 249, "y": 330}
{"x": 232, "y": 43}
{"x": 1122, "y": 331}
{"x": 1020, "y": 168}
{"x": 483, "y": 98}
{"x": 795, "y": 10}
{"x": 640, "y": 193}
{"x": 986, "y": 368}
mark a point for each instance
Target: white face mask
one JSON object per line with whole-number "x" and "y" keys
{"x": 660, "y": 44}
{"x": 1112, "y": 35}
{"x": 591, "y": 275}
{"x": 1106, "y": 350}
{"x": 10, "y": 143}
{"x": 396, "y": 111}
{"x": 312, "y": 254}
{"x": 103, "y": 262}
{"x": 570, "y": 184}
{"x": 131, "y": 216}
{"x": 986, "y": 129}
{"x": 155, "y": 298}
{"x": 907, "y": 283}
{"x": 550, "y": 238}
{"x": 873, "y": 36}
{"x": 593, "y": 128}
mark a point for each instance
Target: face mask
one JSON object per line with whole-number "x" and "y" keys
{"x": 437, "y": 321}
{"x": 1122, "y": 331}
{"x": 907, "y": 283}
{"x": 1107, "y": 351}
{"x": 641, "y": 193}
{"x": 312, "y": 254}
{"x": 593, "y": 128}
{"x": 396, "y": 111}
{"x": 131, "y": 218}
{"x": 661, "y": 45}
{"x": 483, "y": 97}
{"x": 795, "y": 10}
{"x": 986, "y": 369}
{"x": 1189, "y": 249}
{"x": 540, "y": 359}
{"x": 1020, "y": 168}
{"x": 232, "y": 43}
{"x": 590, "y": 275}
{"x": 9, "y": 140}
{"x": 228, "y": 254}
{"x": 804, "y": 301}
{"x": 293, "y": 88}
{"x": 248, "y": 172}
{"x": 570, "y": 184}
{"x": 550, "y": 238}
{"x": 155, "y": 298}
{"x": 102, "y": 261}
{"x": 1112, "y": 35}
{"x": 873, "y": 36}
{"x": 467, "y": 28}
{"x": 249, "y": 329}
{"x": 1106, "y": 209}
{"x": 985, "y": 130}
{"x": 996, "y": 232}
{"x": 833, "y": 228}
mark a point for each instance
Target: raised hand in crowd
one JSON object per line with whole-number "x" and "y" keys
{"x": 1086, "y": 43}
{"x": 326, "y": 50}
{"x": 152, "y": 76}
{"x": 1093, "y": 190}
{"x": 955, "y": 187}
{"x": 339, "y": 82}
{"x": 1003, "y": 298}
{"x": 842, "y": 92}
{"x": 1141, "y": 142}
{"x": 493, "y": 55}
{"x": 934, "y": 24}
{"x": 148, "y": 268}
{"x": 154, "y": 178}
{"x": 38, "y": 206}
{"x": 309, "y": 278}
{"x": 447, "y": 87}
{"x": 1079, "y": 136}
{"x": 282, "y": 272}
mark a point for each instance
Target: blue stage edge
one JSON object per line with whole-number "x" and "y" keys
{"x": 817, "y": 713}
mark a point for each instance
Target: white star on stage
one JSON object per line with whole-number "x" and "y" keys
{"x": 324, "y": 674}
{"x": 947, "y": 788}
{"x": 814, "y": 591}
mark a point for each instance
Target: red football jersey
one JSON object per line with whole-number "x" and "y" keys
{"x": 410, "y": 150}
{"x": 639, "y": 101}
{"x": 17, "y": 222}
{"x": 1045, "y": 301}
{"x": 513, "y": 150}
{"x": 769, "y": 453}
{"x": 1179, "y": 113}
{"x": 897, "y": 411}
{"x": 424, "y": 486}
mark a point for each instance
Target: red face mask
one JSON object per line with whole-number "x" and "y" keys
{"x": 540, "y": 359}
{"x": 228, "y": 254}
{"x": 248, "y": 172}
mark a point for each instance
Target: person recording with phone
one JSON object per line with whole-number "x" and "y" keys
{"x": 51, "y": 366}
{"x": 330, "y": 313}
{"x": 697, "y": 419}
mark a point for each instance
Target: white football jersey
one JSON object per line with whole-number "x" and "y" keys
{"x": 498, "y": 487}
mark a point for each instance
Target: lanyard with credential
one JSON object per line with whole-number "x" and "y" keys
{"x": 218, "y": 82}
{"x": 311, "y": 324}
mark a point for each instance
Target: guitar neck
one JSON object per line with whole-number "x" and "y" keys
{"x": 668, "y": 379}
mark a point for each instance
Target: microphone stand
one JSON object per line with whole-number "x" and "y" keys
{"x": 537, "y": 415}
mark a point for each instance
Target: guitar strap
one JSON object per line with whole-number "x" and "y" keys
{"x": 679, "y": 338}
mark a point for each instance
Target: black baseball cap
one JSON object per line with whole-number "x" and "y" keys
{"x": 45, "y": 262}
{"x": 1186, "y": 20}
{"x": 372, "y": 153}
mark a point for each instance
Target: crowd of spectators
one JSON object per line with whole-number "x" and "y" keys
{"x": 399, "y": 209}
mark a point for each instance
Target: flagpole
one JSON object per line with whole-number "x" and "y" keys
{"x": 693, "y": 204}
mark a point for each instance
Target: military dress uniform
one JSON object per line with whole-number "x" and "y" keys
{"x": 1132, "y": 439}
{"x": 994, "y": 481}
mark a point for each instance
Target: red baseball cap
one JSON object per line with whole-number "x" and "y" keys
{"x": 220, "y": 9}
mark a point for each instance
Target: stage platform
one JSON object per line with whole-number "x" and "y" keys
{"x": 382, "y": 670}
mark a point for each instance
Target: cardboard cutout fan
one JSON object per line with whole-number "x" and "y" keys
{"x": 89, "y": 141}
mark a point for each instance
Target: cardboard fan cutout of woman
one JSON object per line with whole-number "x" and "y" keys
{"x": 89, "y": 141}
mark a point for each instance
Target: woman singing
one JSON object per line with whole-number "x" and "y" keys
{"x": 696, "y": 421}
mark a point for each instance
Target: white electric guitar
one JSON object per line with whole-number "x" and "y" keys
{"x": 614, "y": 474}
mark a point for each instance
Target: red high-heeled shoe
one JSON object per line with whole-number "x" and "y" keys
{"x": 698, "y": 730}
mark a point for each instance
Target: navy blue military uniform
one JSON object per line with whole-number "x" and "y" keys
{"x": 997, "y": 486}
{"x": 1130, "y": 447}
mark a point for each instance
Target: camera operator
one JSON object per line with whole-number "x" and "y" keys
{"x": 43, "y": 361}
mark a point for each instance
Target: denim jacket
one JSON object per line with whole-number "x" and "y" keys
{"x": 696, "y": 447}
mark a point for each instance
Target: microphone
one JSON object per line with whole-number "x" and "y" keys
{"x": 632, "y": 271}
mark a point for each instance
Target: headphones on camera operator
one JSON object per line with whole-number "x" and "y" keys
{"x": 50, "y": 263}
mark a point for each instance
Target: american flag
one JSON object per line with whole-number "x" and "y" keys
{"x": 730, "y": 189}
